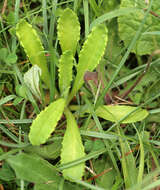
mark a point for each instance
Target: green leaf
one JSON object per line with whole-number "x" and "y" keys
{"x": 50, "y": 186}
{"x": 21, "y": 90}
{"x": 128, "y": 25}
{"x": 34, "y": 169}
{"x": 114, "y": 45}
{"x": 115, "y": 113}
{"x": 6, "y": 173}
{"x": 110, "y": 5}
{"x": 90, "y": 55}
{"x": 32, "y": 45}
{"x": 65, "y": 72}
{"x": 3, "y": 54}
{"x": 45, "y": 122}
{"x": 94, "y": 145}
{"x": 107, "y": 179}
{"x": 11, "y": 58}
{"x": 68, "y": 30}
{"x": 51, "y": 151}
{"x": 72, "y": 149}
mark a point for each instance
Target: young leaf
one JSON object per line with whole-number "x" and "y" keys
{"x": 72, "y": 149}
{"x": 32, "y": 45}
{"x": 31, "y": 78}
{"x": 32, "y": 168}
{"x": 68, "y": 30}
{"x": 90, "y": 55}
{"x": 45, "y": 122}
{"x": 115, "y": 113}
{"x": 65, "y": 72}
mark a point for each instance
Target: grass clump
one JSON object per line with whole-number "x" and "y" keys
{"x": 79, "y": 98}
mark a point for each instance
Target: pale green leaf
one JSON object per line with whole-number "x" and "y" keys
{"x": 129, "y": 24}
{"x": 45, "y": 122}
{"x": 31, "y": 78}
{"x": 72, "y": 149}
{"x": 68, "y": 30}
{"x": 65, "y": 72}
{"x": 32, "y": 45}
{"x": 90, "y": 55}
{"x": 115, "y": 113}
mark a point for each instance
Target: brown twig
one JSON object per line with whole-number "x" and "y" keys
{"x": 123, "y": 101}
{"x": 142, "y": 75}
{"x": 100, "y": 174}
{"x": 1, "y": 187}
{"x": 152, "y": 13}
{"x": 4, "y": 7}
{"x": 131, "y": 151}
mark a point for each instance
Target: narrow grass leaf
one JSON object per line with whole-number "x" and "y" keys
{"x": 141, "y": 162}
{"x": 98, "y": 135}
{"x": 154, "y": 111}
{"x": 151, "y": 33}
{"x": 7, "y": 99}
{"x": 153, "y": 185}
{"x": 111, "y": 15}
{"x": 16, "y": 121}
{"x": 86, "y": 17}
{"x": 89, "y": 186}
{"x": 5, "y": 155}
{"x": 20, "y": 145}
{"x": 83, "y": 159}
{"x": 9, "y": 133}
{"x": 63, "y": 185}
{"x": 127, "y": 161}
{"x": 146, "y": 185}
{"x": 94, "y": 7}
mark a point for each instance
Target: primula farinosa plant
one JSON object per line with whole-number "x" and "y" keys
{"x": 89, "y": 57}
